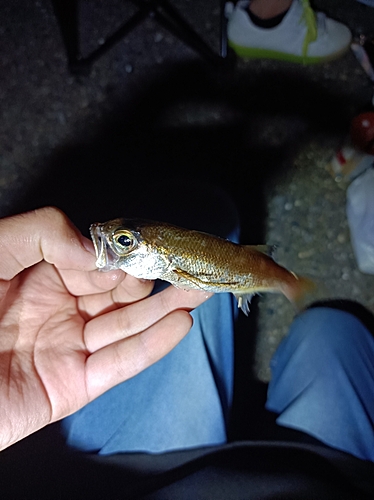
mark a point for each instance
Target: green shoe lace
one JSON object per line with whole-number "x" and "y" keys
{"x": 309, "y": 18}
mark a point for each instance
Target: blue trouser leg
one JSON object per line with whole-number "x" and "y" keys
{"x": 323, "y": 380}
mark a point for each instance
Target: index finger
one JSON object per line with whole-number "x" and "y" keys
{"x": 137, "y": 317}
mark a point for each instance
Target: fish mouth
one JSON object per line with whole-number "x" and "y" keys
{"x": 106, "y": 259}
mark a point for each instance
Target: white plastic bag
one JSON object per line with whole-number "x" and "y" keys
{"x": 360, "y": 213}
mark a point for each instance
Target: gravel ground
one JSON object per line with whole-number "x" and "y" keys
{"x": 152, "y": 109}
{"x": 307, "y": 220}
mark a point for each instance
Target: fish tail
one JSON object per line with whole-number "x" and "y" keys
{"x": 300, "y": 291}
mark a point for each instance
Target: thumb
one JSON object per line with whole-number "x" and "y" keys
{"x": 43, "y": 234}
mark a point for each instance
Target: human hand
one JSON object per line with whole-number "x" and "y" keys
{"x": 68, "y": 332}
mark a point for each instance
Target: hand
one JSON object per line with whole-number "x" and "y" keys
{"x": 68, "y": 332}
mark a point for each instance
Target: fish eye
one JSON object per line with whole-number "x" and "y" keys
{"x": 124, "y": 241}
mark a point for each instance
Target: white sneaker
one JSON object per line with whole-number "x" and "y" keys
{"x": 302, "y": 36}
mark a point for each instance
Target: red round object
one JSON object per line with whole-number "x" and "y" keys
{"x": 362, "y": 132}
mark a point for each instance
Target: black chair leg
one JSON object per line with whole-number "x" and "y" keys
{"x": 166, "y": 15}
{"x": 66, "y": 12}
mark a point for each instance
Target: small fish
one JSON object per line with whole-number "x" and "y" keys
{"x": 193, "y": 260}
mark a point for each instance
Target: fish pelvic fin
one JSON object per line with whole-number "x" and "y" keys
{"x": 244, "y": 300}
{"x": 300, "y": 292}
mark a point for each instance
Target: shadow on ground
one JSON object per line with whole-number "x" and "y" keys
{"x": 193, "y": 125}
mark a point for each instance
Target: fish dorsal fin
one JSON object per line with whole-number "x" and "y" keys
{"x": 265, "y": 249}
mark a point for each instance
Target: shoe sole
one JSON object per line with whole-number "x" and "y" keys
{"x": 252, "y": 53}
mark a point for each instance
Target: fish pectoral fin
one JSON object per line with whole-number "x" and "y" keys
{"x": 184, "y": 275}
{"x": 244, "y": 299}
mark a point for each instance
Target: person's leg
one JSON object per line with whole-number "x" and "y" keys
{"x": 266, "y": 9}
{"x": 323, "y": 380}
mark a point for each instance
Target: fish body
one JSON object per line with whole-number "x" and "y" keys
{"x": 191, "y": 259}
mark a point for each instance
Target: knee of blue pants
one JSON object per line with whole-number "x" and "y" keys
{"x": 325, "y": 336}
{"x": 323, "y": 378}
